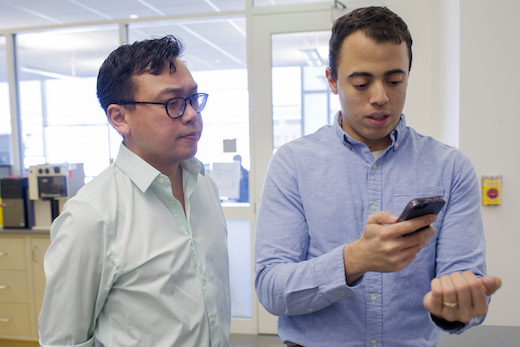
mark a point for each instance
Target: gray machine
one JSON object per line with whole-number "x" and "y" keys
{"x": 50, "y": 186}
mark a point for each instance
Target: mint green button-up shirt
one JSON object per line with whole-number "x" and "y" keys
{"x": 127, "y": 267}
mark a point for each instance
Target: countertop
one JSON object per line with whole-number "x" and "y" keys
{"x": 23, "y": 231}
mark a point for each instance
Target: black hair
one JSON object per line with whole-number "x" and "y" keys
{"x": 114, "y": 82}
{"x": 378, "y": 23}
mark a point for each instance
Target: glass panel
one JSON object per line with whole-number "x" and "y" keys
{"x": 62, "y": 120}
{"x": 315, "y": 112}
{"x": 302, "y": 101}
{"x": 258, "y": 3}
{"x": 239, "y": 242}
{"x": 5, "y": 113}
{"x": 215, "y": 53}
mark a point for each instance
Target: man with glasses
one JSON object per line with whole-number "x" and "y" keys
{"x": 139, "y": 256}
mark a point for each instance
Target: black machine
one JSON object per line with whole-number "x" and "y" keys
{"x": 17, "y": 208}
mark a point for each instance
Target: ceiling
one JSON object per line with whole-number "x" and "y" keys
{"x": 34, "y": 13}
{"x": 78, "y": 51}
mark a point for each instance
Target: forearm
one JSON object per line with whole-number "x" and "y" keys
{"x": 295, "y": 288}
{"x": 353, "y": 268}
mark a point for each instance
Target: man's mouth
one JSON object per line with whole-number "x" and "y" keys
{"x": 192, "y": 135}
{"x": 379, "y": 116}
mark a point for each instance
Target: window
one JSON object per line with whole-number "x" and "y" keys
{"x": 5, "y": 113}
{"x": 302, "y": 101}
{"x": 215, "y": 53}
{"x": 61, "y": 118}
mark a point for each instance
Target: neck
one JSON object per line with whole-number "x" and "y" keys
{"x": 177, "y": 188}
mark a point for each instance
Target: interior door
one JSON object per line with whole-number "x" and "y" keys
{"x": 290, "y": 98}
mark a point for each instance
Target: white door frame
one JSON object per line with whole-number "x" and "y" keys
{"x": 261, "y": 26}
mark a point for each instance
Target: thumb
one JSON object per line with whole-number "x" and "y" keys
{"x": 491, "y": 284}
{"x": 382, "y": 217}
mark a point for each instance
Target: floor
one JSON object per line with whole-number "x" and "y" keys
{"x": 254, "y": 341}
{"x": 481, "y": 336}
{"x": 234, "y": 341}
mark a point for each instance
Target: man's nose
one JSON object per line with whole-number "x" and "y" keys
{"x": 189, "y": 113}
{"x": 378, "y": 95}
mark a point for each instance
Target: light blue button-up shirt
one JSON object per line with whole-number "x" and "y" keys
{"x": 127, "y": 267}
{"x": 318, "y": 194}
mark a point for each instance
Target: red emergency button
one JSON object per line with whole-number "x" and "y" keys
{"x": 492, "y": 193}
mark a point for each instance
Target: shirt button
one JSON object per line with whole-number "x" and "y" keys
{"x": 173, "y": 202}
{"x": 310, "y": 310}
{"x": 373, "y": 207}
{"x": 161, "y": 180}
{"x": 212, "y": 319}
{"x": 373, "y": 342}
{"x": 341, "y": 294}
{"x": 374, "y": 166}
{"x": 204, "y": 278}
{"x": 373, "y": 297}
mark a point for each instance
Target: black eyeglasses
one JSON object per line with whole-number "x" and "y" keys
{"x": 175, "y": 107}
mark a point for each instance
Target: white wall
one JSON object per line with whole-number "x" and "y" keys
{"x": 419, "y": 100}
{"x": 465, "y": 90}
{"x": 489, "y": 132}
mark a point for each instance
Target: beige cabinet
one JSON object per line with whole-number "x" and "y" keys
{"x": 22, "y": 283}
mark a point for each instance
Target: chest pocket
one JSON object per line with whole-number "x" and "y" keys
{"x": 402, "y": 195}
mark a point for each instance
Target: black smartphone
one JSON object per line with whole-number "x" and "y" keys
{"x": 422, "y": 206}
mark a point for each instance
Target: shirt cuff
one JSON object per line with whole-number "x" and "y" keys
{"x": 446, "y": 325}
{"x": 330, "y": 274}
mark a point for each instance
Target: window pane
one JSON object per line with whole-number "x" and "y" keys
{"x": 287, "y": 108}
{"x": 302, "y": 101}
{"x": 84, "y": 145}
{"x": 62, "y": 120}
{"x": 5, "y": 113}
{"x": 215, "y": 53}
{"x": 239, "y": 242}
{"x": 315, "y": 112}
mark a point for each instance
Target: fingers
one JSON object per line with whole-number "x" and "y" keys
{"x": 458, "y": 297}
{"x": 478, "y": 299}
{"x": 382, "y": 217}
{"x": 416, "y": 224}
{"x": 491, "y": 284}
{"x": 471, "y": 299}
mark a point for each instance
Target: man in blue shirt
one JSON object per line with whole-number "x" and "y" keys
{"x": 331, "y": 259}
{"x": 139, "y": 256}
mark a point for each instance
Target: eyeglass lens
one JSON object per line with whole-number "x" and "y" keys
{"x": 177, "y": 106}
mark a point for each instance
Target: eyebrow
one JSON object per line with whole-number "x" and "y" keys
{"x": 367, "y": 74}
{"x": 176, "y": 91}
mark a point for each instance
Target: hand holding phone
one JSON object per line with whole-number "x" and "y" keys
{"x": 421, "y": 207}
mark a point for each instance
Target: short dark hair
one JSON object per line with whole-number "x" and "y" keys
{"x": 378, "y": 23}
{"x": 114, "y": 82}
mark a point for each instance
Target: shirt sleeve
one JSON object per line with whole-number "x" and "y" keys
{"x": 461, "y": 244}
{"x": 286, "y": 282}
{"x": 77, "y": 272}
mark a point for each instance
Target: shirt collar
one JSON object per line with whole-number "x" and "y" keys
{"x": 143, "y": 174}
{"x": 396, "y": 136}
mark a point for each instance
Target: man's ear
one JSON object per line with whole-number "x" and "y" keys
{"x": 333, "y": 83}
{"x": 117, "y": 116}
